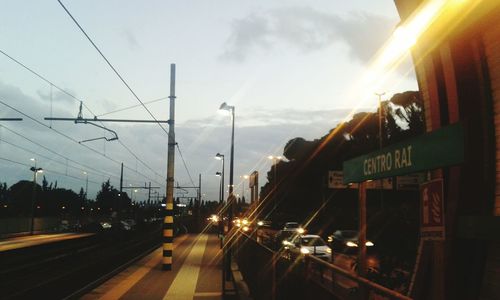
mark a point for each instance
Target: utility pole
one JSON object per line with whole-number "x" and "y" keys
{"x": 380, "y": 118}
{"x": 168, "y": 222}
{"x": 380, "y": 143}
{"x": 121, "y": 180}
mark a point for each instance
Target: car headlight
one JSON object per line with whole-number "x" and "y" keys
{"x": 304, "y": 250}
{"x": 351, "y": 244}
{"x": 328, "y": 250}
{"x": 245, "y": 228}
{"x": 245, "y": 221}
{"x": 300, "y": 230}
{"x": 260, "y": 223}
{"x": 369, "y": 244}
{"x": 330, "y": 239}
{"x": 286, "y": 243}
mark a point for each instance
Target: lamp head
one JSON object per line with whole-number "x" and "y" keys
{"x": 224, "y": 106}
{"x": 218, "y": 174}
{"x": 219, "y": 156}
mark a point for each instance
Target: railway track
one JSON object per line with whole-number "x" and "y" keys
{"x": 68, "y": 270}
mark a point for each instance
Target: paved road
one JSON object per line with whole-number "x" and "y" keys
{"x": 196, "y": 274}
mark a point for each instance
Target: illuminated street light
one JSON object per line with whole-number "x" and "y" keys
{"x": 227, "y": 257}
{"x": 243, "y": 186}
{"x": 221, "y": 188}
{"x": 86, "y": 184}
{"x": 35, "y": 171}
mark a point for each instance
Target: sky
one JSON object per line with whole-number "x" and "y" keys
{"x": 290, "y": 68}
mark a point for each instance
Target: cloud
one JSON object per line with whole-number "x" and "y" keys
{"x": 259, "y": 132}
{"x": 307, "y": 30}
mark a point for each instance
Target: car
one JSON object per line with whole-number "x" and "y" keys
{"x": 243, "y": 224}
{"x": 310, "y": 244}
{"x": 293, "y": 226}
{"x": 346, "y": 241}
{"x": 344, "y": 244}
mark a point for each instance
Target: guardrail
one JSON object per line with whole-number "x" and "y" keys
{"x": 291, "y": 275}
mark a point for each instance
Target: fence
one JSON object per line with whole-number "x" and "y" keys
{"x": 290, "y": 275}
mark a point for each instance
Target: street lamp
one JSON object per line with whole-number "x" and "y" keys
{"x": 380, "y": 118}
{"x": 221, "y": 192}
{"x": 219, "y": 174}
{"x": 230, "y": 108}
{"x": 35, "y": 171}
{"x": 86, "y": 184}
{"x": 275, "y": 159}
{"x": 243, "y": 186}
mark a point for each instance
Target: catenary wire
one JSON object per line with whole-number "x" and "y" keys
{"x": 120, "y": 77}
{"x": 72, "y": 96}
{"x": 72, "y": 139}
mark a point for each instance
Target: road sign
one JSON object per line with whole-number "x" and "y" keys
{"x": 385, "y": 184}
{"x": 336, "y": 181}
{"x": 409, "y": 182}
{"x": 432, "y": 210}
{"x": 440, "y": 148}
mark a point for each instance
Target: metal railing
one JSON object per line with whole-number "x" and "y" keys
{"x": 289, "y": 274}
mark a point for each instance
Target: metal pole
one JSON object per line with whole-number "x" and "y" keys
{"x": 362, "y": 236}
{"x": 223, "y": 182}
{"x": 149, "y": 193}
{"x": 380, "y": 118}
{"x": 86, "y": 186}
{"x": 121, "y": 180}
{"x": 168, "y": 222}
{"x": 32, "y": 225}
{"x": 380, "y": 142}
{"x": 230, "y": 198}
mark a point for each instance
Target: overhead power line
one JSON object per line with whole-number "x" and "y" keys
{"x": 71, "y": 139}
{"x": 49, "y": 171}
{"x": 130, "y": 107}
{"x": 121, "y": 79}
{"x": 66, "y": 93}
{"x": 111, "y": 66}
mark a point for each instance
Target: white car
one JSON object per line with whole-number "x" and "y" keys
{"x": 313, "y": 245}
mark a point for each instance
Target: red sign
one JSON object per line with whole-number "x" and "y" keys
{"x": 432, "y": 210}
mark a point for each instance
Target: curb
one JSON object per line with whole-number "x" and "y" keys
{"x": 240, "y": 285}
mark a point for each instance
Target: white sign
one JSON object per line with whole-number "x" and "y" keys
{"x": 375, "y": 184}
{"x": 409, "y": 182}
{"x": 335, "y": 181}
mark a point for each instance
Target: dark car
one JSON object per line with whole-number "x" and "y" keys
{"x": 346, "y": 241}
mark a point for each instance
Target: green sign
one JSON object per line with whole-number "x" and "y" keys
{"x": 440, "y": 148}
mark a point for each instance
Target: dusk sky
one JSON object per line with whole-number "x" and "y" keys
{"x": 291, "y": 69}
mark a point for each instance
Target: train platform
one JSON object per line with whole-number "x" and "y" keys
{"x": 37, "y": 239}
{"x": 196, "y": 274}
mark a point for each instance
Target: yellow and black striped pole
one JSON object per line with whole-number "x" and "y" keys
{"x": 168, "y": 221}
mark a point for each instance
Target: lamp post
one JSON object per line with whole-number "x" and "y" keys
{"x": 221, "y": 192}
{"x": 243, "y": 186}
{"x": 35, "y": 171}
{"x": 380, "y": 118}
{"x": 230, "y": 198}
{"x": 86, "y": 184}
{"x": 275, "y": 159}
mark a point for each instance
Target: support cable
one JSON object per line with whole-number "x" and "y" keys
{"x": 49, "y": 171}
{"x": 66, "y": 93}
{"x": 121, "y": 78}
{"x": 111, "y": 66}
{"x": 71, "y": 139}
{"x": 185, "y": 166}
